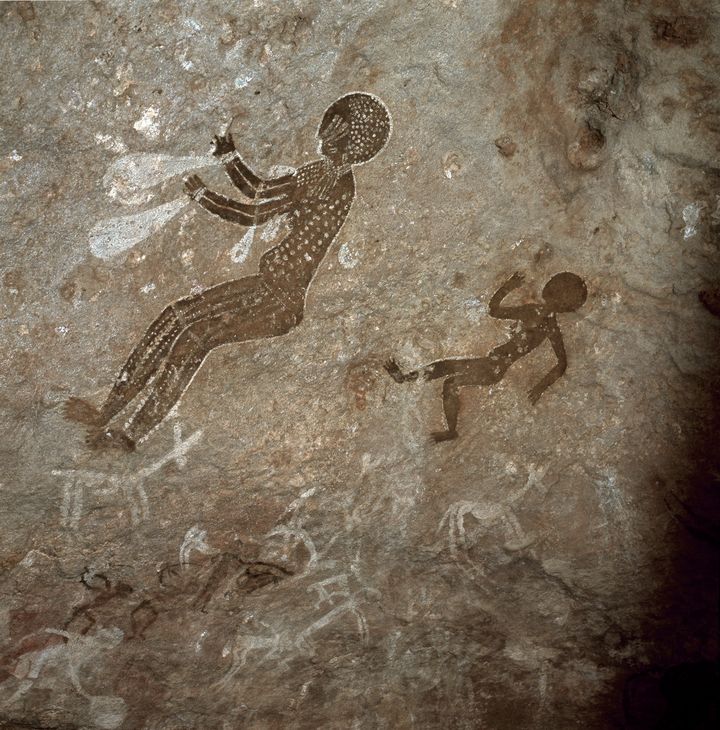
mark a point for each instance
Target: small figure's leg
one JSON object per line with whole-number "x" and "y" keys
{"x": 451, "y": 407}
{"x": 443, "y": 368}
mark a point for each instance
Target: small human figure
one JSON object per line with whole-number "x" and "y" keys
{"x": 565, "y": 292}
{"x": 270, "y": 303}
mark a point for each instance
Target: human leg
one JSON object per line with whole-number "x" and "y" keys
{"x": 135, "y": 373}
{"x": 254, "y": 315}
{"x": 451, "y": 408}
{"x": 433, "y": 371}
{"x": 149, "y": 353}
{"x": 172, "y": 379}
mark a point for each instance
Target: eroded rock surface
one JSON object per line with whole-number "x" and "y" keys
{"x": 289, "y": 549}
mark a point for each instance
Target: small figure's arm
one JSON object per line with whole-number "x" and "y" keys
{"x": 497, "y": 310}
{"x": 398, "y": 375}
{"x": 243, "y": 177}
{"x": 247, "y": 214}
{"x": 556, "y": 340}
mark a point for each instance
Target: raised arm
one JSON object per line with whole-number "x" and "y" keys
{"x": 556, "y": 340}
{"x": 243, "y": 177}
{"x": 495, "y": 307}
{"x": 246, "y": 214}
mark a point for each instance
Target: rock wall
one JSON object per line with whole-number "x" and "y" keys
{"x": 289, "y": 547}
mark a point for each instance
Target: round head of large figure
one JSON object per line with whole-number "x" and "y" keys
{"x": 354, "y": 129}
{"x": 565, "y": 292}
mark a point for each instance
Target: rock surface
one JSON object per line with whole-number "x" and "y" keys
{"x": 289, "y": 549}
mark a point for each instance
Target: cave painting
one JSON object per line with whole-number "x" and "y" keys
{"x": 565, "y": 292}
{"x": 317, "y": 198}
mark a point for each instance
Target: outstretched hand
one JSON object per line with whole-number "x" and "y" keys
{"x": 398, "y": 375}
{"x": 193, "y": 184}
{"x": 394, "y": 370}
{"x": 223, "y": 144}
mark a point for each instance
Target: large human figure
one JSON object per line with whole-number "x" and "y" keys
{"x": 565, "y": 292}
{"x": 318, "y": 197}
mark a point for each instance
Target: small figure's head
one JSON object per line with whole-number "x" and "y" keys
{"x": 565, "y": 292}
{"x": 354, "y": 129}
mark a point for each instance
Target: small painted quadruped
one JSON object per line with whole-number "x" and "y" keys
{"x": 317, "y": 198}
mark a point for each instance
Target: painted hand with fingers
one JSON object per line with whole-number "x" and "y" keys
{"x": 397, "y": 374}
{"x": 223, "y": 144}
{"x": 194, "y": 186}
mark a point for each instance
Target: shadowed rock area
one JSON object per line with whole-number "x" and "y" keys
{"x": 360, "y": 364}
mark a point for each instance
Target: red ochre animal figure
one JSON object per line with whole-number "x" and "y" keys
{"x": 565, "y": 292}
{"x": 317, "y": 198}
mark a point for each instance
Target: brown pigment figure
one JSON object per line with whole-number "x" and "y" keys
{"x": 318, "y": 197}
{"x": 563, "y": 293}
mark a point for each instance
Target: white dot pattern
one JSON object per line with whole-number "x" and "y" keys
{"x": 290, "y": 266}
{"x": 369, "y": 125}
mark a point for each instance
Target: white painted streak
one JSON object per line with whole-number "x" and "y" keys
{"x": 241, "y": 250}
{"x": 32, "y": 556}
{"x": 115, "y": 235}
{"x": 195, "y": 540}
{"x": 177, "y": 453}
{"x": 110, "y": 143}
{"x": 139, "y": 171}
{"x": 279, "y": 170}
{"x": 475, "y": 310}
{"x": 132, "y": 487}
{"x": 272, "y": 227}
{"x": 614, "y": 505}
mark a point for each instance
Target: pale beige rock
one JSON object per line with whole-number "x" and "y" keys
{"x": 289, "y": 549}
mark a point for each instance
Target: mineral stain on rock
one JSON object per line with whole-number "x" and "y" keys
{"x": 585, "y": 152}
{"x": 711, "y": 299}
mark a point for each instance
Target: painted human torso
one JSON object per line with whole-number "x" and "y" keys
{"x": 323, "y": 199}
{"x": 532, "y": 333}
